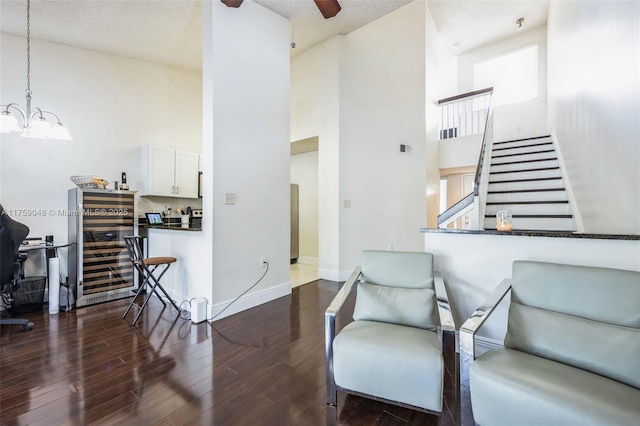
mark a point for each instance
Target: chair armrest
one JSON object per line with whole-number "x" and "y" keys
{"x": 475, "y": 321}
{"x": 447, "y": 337}
{"x": 330, "y": 331}
{"x": 444, "y": 308}
{"x": 339, "y": 299}
{"x": 468, "y": 349}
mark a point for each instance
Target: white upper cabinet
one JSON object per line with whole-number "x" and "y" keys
{"x": 168, "y": 172}
{"x": 186, "y": 183}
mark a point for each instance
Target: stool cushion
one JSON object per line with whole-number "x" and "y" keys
{"x": 158, "y": 260}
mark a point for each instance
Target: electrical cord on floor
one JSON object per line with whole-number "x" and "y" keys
{"x": 243, "y": 293}
{"x": 185, "y": 314}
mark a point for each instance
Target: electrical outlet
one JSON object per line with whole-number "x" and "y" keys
{"x": 263, "y": 262}
{"x": 230, "y": 198}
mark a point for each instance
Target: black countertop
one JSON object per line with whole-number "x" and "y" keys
{"x": 172, "y": 224}
{"x": 524, "y": 233}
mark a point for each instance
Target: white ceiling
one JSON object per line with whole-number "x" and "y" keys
{"x": 169, "y": 31}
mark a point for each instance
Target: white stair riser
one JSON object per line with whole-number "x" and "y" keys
{"x": 520, "y": 166}
{"x": 526, "y": 157}
{"x": 520, "y": 143}
{"x": 519, "y": 186}
{"x": 542, "y": 224}
{"x": 520, "y": 150}
{"x": 540, "y": 209}
{"x": 538, "y": 174}
{"x": 527, "y": 196}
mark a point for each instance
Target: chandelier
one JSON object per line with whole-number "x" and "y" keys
{"x": 34, "y": 123}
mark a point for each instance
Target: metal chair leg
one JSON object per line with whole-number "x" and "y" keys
{"x": 155, "y": 284}
{"x": 135, "y": 297}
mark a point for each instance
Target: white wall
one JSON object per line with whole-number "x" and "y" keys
{"x": 304, "y": 172}
{"x": 459, "y": 152}
{"x": 522, "y": 119}
{"x": 364, "y": 94}
{"x": 315, "y": 112}
{"x": 473, "y": 264}
{"x": 441, "y": 80}
{"x": 382, "y": 105}
{"x": 594, "y": 108}
{"x": 246, "y": 134}
{"x": 110, "y": 104}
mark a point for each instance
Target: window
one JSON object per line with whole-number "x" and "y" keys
{"x": 514, "y": 76}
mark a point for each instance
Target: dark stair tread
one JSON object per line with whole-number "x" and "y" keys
{"x": 525, "y": 190}
{"x": 536, "y": 216}
{"x": 547, "y": 231}
{"x": 492, "y": 203}
{"x": 525, "y": 180}
{"x": 540, "y": 169}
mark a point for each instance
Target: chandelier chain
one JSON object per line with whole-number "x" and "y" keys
{"x": 34, "y": 123}
{"x": 28, "y": 91}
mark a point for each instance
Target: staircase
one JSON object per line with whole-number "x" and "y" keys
{"x": 525, "y": 177}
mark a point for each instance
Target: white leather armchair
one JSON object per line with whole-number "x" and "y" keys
{"x": 571, "y": 354}
{"x": 393, "y": 350}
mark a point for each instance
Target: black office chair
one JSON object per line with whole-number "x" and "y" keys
{"x": 12, "y": 233}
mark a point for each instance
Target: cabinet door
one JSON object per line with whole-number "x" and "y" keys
{"x": 161, "y": 169}
{"x": 186, "y": 174}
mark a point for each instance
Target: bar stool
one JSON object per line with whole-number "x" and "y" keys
{"x": 143, "y": 265}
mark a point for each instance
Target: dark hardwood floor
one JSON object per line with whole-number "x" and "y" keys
{"x": 264, "y": 366}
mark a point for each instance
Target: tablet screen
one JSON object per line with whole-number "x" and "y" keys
{"x": 154, "y": 218}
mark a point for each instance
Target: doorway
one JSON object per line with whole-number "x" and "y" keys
{"x": 304, "y": 175}
{"x": 456, "y": 184}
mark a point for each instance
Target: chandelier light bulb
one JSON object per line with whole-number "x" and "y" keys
{"x": 34, "y": 123}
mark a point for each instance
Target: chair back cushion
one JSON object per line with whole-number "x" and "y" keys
{"x": 397, "y": 269}
{"x": 397, "y": 288}
{"x": 583, "y": 316}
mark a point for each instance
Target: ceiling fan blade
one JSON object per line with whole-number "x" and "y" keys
{"x": 232, "y": 3}
{"x": 328, "y": 8}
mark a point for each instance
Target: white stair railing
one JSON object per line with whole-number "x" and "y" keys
{"x": 481, "y": 181}
{"x": 465, "y": 114}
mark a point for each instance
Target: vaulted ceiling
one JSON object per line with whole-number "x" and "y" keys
{"x": 169, "y": 31}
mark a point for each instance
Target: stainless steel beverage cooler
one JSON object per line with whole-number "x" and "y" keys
{"x": 99, "y": 266}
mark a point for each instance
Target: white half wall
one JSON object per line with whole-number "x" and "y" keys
{"x": 246, "y": 115}
{"x": 459, "y": 152}
{"x": 594, "y": 108}
{"x": 474, "y": 264}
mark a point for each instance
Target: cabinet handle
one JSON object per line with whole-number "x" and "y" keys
{"x": 173, "y": 189}
{"x": 177, "y": 190}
